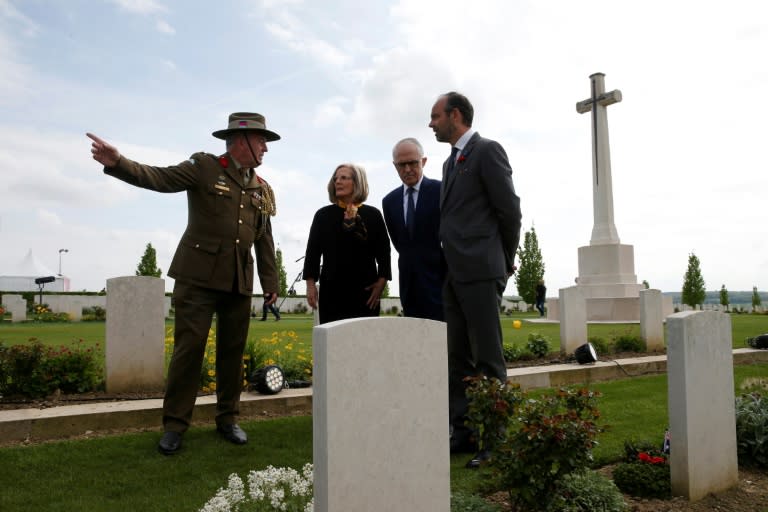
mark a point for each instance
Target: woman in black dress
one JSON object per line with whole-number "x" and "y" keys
{"x": 351, "y": 240}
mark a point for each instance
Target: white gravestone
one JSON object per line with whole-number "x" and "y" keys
{"x": 135, "y": 334}
{"x": 652, "y": 320}
{"x": 702, "y": 417}
{"x": 17, "y": 307}
{"x": 573, "y": 319}
{"x": 380, "y": 416}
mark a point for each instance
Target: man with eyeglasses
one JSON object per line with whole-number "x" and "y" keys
{"x": 412, "y": 215}
{"x": 230, "y": 208}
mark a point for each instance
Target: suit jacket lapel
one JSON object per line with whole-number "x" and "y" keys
{"x": 448, "y": 180}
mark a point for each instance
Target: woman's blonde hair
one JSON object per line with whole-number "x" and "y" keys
{"x": 360, "y": 190}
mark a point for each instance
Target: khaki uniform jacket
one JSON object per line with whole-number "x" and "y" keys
{"x": 225, "y": 218}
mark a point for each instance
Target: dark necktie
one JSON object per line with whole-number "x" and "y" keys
{"x": 410, "y": 214}
{"x": 451, "y": 161}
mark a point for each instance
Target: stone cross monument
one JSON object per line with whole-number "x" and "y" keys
{"x": 607, "y": 279}
{"x": 604, "y": 230}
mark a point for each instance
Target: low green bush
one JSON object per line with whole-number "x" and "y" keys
{"x": 538, "y": 344}
{"x": 629, "y": 343}
{"x": 643, "y": 480}
{"x": 752, "y": 430}
{"x": 644, "y": 472}
{"x": 35, "y": 370}
{"x": 600, "y": 344}
{"x": 547, "y": 438}
{"x": 587, "y": 491}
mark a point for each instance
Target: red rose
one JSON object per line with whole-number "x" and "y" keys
{"x": 223, "y": 161}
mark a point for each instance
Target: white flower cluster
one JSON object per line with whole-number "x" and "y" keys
{"x": 273, "y": 488}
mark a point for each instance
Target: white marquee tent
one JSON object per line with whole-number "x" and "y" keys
{"x": 22, "y": 277}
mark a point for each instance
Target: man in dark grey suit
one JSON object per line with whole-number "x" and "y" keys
{"x": 480, "y": 230}
{"x": 412, "y": 214}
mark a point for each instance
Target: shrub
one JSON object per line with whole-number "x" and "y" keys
{"x": 553, "y": 436}
{"x": 600, "y": 344}
{"x": 36, "y": 371}
{"x": 587, "y": 491}
{"x": 491, "y": 405}
{"x": 300, "y": 308}
{"x": 94, "y": 313}
{"x": 461, "y": 502}
{"x": 512, "y": 352}
{"x": 643, "y": 480}
{"x": 752, "y": 430}
{"x": 629, "y": 343}
{"x": 538, "y": 344}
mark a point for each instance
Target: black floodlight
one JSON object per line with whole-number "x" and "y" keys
{"x": 44, "y": 280}
{"x": 586, "y": 354}
{"x": 760, "y": 341}
{"x": 269, "y": 380}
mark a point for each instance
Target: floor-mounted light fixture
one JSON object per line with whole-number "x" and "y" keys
{"x": 269, "y": 380}
{"x": 585, "y": 354}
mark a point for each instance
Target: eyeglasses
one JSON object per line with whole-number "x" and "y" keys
{"x": 409, "y": 163}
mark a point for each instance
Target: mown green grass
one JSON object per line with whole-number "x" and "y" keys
{"x": 126, "y": 473}
{"x": 743, "y": 326}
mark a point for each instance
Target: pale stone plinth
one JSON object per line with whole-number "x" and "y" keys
{"x": 573, "y": 319}
{"x": 702, "y": 420}
{"x": 608, "y": 271}
{"x": 553, "y": 308}
{"x": 380, "y": 416}
{"x": 135, "y": 334}
{"x": 17, "y": 307}
{"x": 652, "y": 320}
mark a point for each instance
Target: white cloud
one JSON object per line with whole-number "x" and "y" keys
{"x": 141, "y": 6}
{"x": 163, "y": 27}
{"x": 330, "y": 112}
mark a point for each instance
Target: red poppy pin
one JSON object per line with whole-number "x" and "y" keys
{"x": 462, "y": 158}
{"x": 223, "y": 161}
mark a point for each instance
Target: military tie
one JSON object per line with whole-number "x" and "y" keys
{"x": 410, "y": 214}
{"x": 451, "y": 161}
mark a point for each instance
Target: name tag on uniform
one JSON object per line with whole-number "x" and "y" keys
{"x": 225, "y": 188}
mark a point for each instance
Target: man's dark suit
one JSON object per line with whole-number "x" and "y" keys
{"x": 421, "y": 264}
{"x": 480, "y": 230}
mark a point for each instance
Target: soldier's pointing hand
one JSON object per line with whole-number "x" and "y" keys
{"x": 104, "y": 153}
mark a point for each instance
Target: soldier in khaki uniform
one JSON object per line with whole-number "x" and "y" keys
{"x": 229, "y": 210}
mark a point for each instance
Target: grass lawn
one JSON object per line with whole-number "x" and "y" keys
{"x": 743, "y": 326}
{"x": 125, "y": 473}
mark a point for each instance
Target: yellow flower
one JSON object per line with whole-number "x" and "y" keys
{"x": 246, "y": 357}
{"x": 292, "y": 334}
{"x": 211, "y": 373}
{"x": 301, "y": 357}
{"x": 289, "y": 346}
{"x": 277, "y": 353}
{"x": 211, "y": 360}
{"x": 213, "y": 386}
{"x": 269, "y": 362}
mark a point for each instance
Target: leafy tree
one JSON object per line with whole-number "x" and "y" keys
{"x": 148, "y": 264}
{"x": 724, "y": 301}
{"x": 645, "y": 284}
{"x": 756, "y": 301}
{"x": 531, "y": 268}
{"x": 694, "y": 289}
{"x": 385, "y": 291}
{"x": 282, "y": 274}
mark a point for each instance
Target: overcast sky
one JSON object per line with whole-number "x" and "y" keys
{"x": 343, "y": 80}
